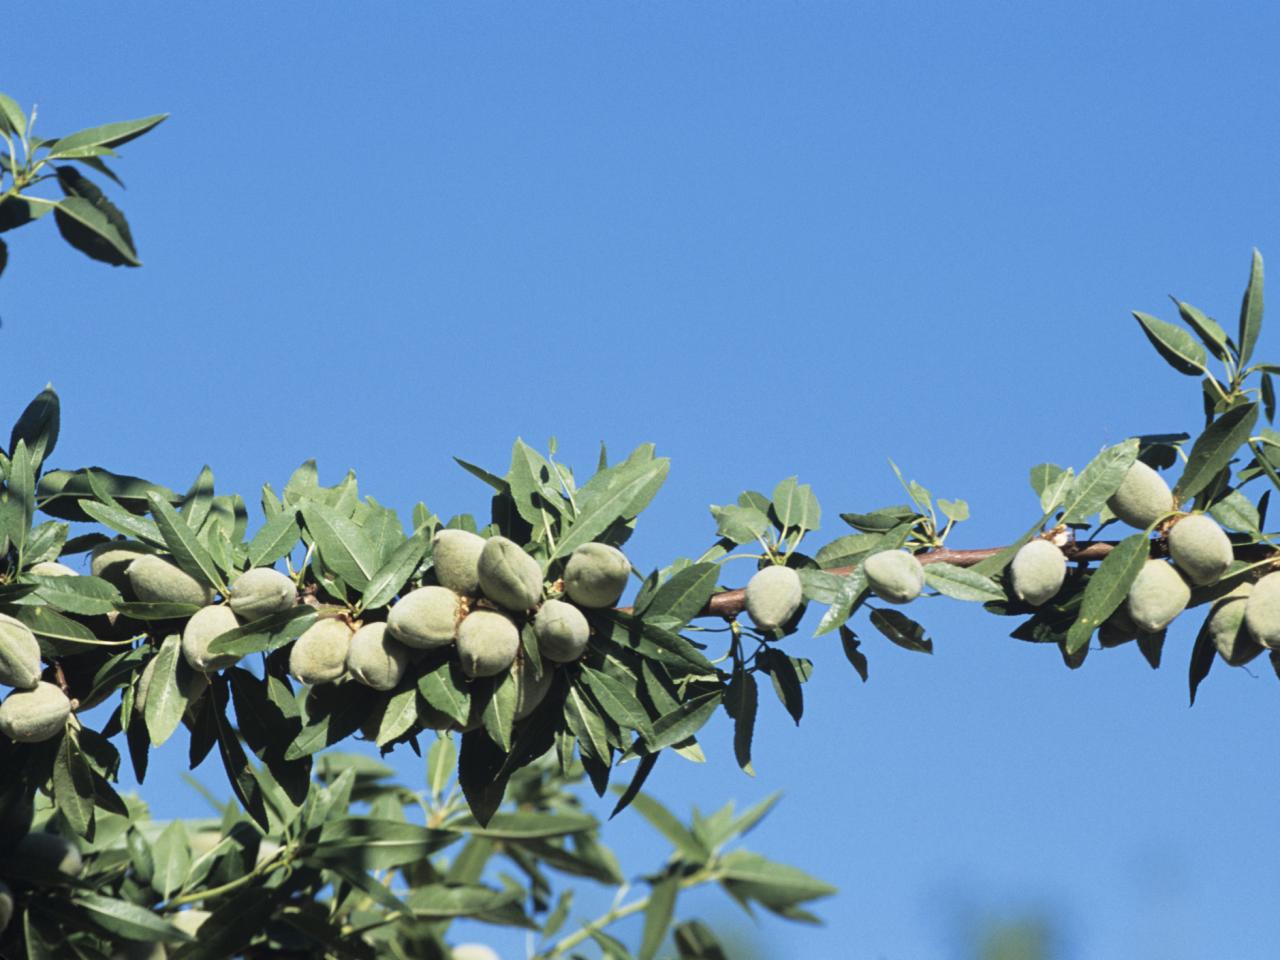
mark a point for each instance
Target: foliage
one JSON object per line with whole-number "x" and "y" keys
{"x": 374, "y": 880}
{"x": 84, "y": 216}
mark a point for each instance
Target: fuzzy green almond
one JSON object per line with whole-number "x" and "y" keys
{"x": 773, "y": 596}
{"x": 1200, "y": 548}
{"x": 260, "y": 592}
{"x": 508, "y": 576}
{"x": 426, "y": 618}
{"x": 154, "y": 579}
{"x": 19, "y": 654}
{"x": 455, "y": 554}
{"x": 319, "y": 655}
{"x": 205, "y": 626}
{"x": 1158, "y": 594}
{"x": 1037, "y": 572}
{"x": 596, "y": 575}
{"x": 487, "y": 643}
{"x": 36, "y": 715}
{"x": 562, "y": 631}
{"x": 1142, "y": 498}
{"x": 894, "y": 575}
{"x": 375, "y": 658}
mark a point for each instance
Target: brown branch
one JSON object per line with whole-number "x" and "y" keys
{"x": 729, "y": 603}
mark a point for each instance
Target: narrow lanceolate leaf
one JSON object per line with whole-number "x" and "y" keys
{"x": 1202, "y": 656}
{"x": 446, "y": 689}
{"x": 1107, "y": 588}
{"x": 1235, "y": 511}
{"x": 395, "y": 573}
{"x": 1051, "y": 483}
{"x": 685, "y": 594}
{"x": 165, "y": 699}
{"x": 686, "y": 720}
{"x": 275, "y": 539}
{"x": 128, "y": 920}
{"x": 666, "y": 823}
{"x": 1099, "y": 480}
{"x": 1208, "y": 329}
{"x": 73, "y": 787}
{"x": 91, "y": 231}
{"x": 599, "y": 508}
{"x": 343, "y": 545}
{"x": 1173, "y": 343}
{"x": 441, "y": 759}
{"x": 499, "y": 710}
{"x": 109, "y": 135}
{"x": 586, "y": 724}
{"x": 619, "y": 702}
{"x": 1251, "y": 310}
{"x": 38, "y": 426}
{"x": 901, "y": 629}
{"x": 1215, "y": 448}
{"x": 188, "y": 552}
{"x": 960, "y": 583}
{"x": 741, "y": 701}
{"x": 657, "y": 916}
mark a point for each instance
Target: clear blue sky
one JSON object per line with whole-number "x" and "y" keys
{"x": 787, "y": 238}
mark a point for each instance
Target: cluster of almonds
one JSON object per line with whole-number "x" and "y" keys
{"x": 1201, "y": 553}
{"x": 486, "y": 588}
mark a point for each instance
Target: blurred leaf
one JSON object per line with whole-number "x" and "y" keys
{"x": 12, "y": 119}
{"x": 657, "y": 916}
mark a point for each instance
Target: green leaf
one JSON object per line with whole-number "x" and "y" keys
{"x": 1251, "y": 310}
{"x": 773, "y": 884}
{"x": 857, "y": 659}
{"x": 1208, "y": 329}
{"x": 371, "y": 843}
{"x": 955, "y": 510}
{"x": 12, "y": 119}
{"x": 618, "y": 493}
{"x": 960, "y": 583}
{"x": 662, "y": 820}
{"x": 20, "y": 495}
{"x": 86, "y": 596}
{"x": 122, "y": 521}
{"x": 586, "y": 724}
{"x": 684, "y": 721}
{"x": 617, "y": 701}
{"x": 343, "y": 546}
{"x": 657, "y": 916}
{"x": 446, "y": 688}
{"x": 171, "y": 859}
{"x": 174, "y": 686}
{"x": 849, "y": 550}
{"x": 38, "y": 426}
{"x": 441, "y": 759}
{"x": 1098, "y": 481}
{"x": 1214, "y": 449}
{"x": 499, "y": 715}
{"x": 1173, "y": 343}
{"x": 275, "y": 539}
{"x": 1052, "y": 484}
{"x": 95, "y": 233}
{"x": 127, "y": 920}
{"x": 683, "y": 596}
{"x": 395, "y": 573}
{"x": 188, "y": 552}
{"x": 851, "y": 593}
{"x": 527, "y": 825}
{"x": 108, "y": 135}
{"x": 785, "y": 672}
{"x": 398, "y": 716}
{"x": 901, "y": 629}
{"x": 1107, "y": 588}
{"x": 795, "y": 507}
{"x": 1236, "y": 512}
{"x": 740, "y": 524}
{"x": 73, "y": 787}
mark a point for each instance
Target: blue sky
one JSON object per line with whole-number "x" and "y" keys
{"x": 774, "y": 239}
